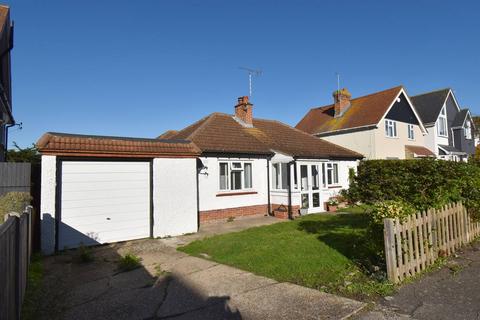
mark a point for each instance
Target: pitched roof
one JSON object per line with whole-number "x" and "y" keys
{"x": 222, "y": 133}
{"x": 167, "y": 134}
{"x": 363, "y": 111}
{"x": 429, "y": 105}
{"x": 450, "y": 149}
{"x": 86, "y": 145}
{"x": 460, "y": 118}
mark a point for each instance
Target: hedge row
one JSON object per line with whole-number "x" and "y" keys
{"x": 421, "y": 183}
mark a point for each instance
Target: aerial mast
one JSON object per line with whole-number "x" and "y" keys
{"x": 251, "y": 73}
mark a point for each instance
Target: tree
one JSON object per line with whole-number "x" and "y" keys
{"x": 18, "y": 154}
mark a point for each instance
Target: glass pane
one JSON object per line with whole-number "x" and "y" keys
{"x": 236, "y": 165}
{"x": 316, "y": 199}
{"x": 335, "y": 173}
{"x": 394, "y": 129}
{"x": 304, "y": 177}
{"x": 315, "y": 178}
{"x": 386, "y": 128}
{"x": 223, "y": 176}
{"x": 324, "y": 181}
{"x": 276, "y": 176}
{"x": 305, "y": 201}
{"x": 236, "y": 180}
{"x": 248, "y": 175}
{"x": 284, "y": 176}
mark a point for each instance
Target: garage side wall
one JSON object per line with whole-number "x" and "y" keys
{"x": 174, "y": 197}
{"x": 47, "y": 208}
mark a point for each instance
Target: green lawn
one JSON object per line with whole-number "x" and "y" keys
{"x": 326, "y": 252}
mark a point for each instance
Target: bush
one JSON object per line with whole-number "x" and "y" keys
{"x": 423, "y": 184}
{"x": 14, "y": 202}
{"x": 129, "y": 262}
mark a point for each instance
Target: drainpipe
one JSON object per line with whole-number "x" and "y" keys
{"x": 269, "y": 207}
{"x": 289, "y": 185}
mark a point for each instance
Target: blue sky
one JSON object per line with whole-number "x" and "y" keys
{"x": 140, "y": 68}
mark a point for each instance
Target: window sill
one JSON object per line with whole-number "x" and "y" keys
{"x": 226, "y": 194}
{"x": 391, "y": 137}
{"x": 334, "y": 187}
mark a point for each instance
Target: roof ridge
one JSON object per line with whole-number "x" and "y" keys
{"x": 201, "y": 127}
{"x": 432, "y": 91}
{"x": 311, "y": 136}
{"x": 367, "y": 95}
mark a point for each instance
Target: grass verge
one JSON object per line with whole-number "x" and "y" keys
{"x": 34, "y": 288}
{"x": 326, "y": 252}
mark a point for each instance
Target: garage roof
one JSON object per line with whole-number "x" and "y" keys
{"x": 65, "y": 144}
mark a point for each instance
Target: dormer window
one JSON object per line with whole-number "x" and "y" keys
{"x": 468, "y": 130}
{"x": 442, "y": 123}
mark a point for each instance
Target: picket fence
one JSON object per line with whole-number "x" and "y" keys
{"x": 416, "y": 243}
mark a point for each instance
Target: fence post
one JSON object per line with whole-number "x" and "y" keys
{"x": 390, "y": 255}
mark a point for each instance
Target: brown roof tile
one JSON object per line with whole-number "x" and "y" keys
{"x": 364, "y": 111}
{"x": 419, "y": 151}
{"x": 221, "y": 133}
{"x": 167, "y": 134}
{"x": 103, "y": 146}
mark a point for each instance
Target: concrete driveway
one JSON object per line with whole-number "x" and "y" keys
{"x": 173, "y": 285}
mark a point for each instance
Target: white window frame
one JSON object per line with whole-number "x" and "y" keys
{"x": 411, "y": 132}
{"x": 230, "y": 169}
{"x": 468, "y": 130}
{"x": 326, "y": 168}
{"x": 279, "y": 178}
{"x": 442, "y": 132}
{"x": 391, "y": 124}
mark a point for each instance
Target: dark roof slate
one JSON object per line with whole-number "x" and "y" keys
{"x": 429, "y": 105}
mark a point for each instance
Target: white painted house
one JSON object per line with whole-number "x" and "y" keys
{"x": 255, "y": 166}
{"x": 105, "y": 189}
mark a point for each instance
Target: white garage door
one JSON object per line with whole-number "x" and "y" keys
{"x": 103, "y": 201}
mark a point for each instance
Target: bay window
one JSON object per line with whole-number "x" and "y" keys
{"x": 235, "y": 175}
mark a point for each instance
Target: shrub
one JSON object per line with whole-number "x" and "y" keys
{"x": 85, "y": 254}
{"x": 129, "y": 262}
{"x": 14, "y": 202}
{"x": 423, "y": 184}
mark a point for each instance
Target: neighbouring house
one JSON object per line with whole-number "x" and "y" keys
{"x": 256, "y": 166}
{"x": 6, "y": 45}
{"x": 382, "y": 125}
{"x": 450, "y": 128}
{"x": 104, "y": 189}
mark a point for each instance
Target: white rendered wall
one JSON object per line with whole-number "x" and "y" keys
{"x": 47, "y": 200}
{"x": 208, "y": 185}
{"x": 387, "y": 147}
{"x": 362, "y": 142}
{"x": 174, "y": 196}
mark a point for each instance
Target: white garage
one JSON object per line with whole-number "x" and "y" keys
{"x": 104, "y": 201}
{"x": 98, "y": 190}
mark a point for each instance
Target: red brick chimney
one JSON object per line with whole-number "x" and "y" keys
{"x": 243, "y": 111}
{"x": 342, "y": 101}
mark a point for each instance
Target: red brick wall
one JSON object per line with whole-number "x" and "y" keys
{"x": 281, "y": 211}
{"x": 221, "y": 214}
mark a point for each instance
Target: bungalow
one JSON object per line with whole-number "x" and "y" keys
{"x": 382, "y": 125}
{"x": 98, "y": 189}
{"x": 450, "y": 129}
{"x": 255, "y": 166}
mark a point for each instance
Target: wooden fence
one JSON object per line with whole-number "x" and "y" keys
{"x": 15, "y": 254}
{"x": 15, "y": 177}
{"x": 414, "y": 244}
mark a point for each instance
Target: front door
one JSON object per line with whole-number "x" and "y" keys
{"x": 310, "y": 187}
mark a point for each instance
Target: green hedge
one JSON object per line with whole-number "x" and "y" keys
{"x": 421, "y": 183}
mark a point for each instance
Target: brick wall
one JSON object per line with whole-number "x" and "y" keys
{"x": 281, "y": 211}
{"x": 222, "y": 214}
